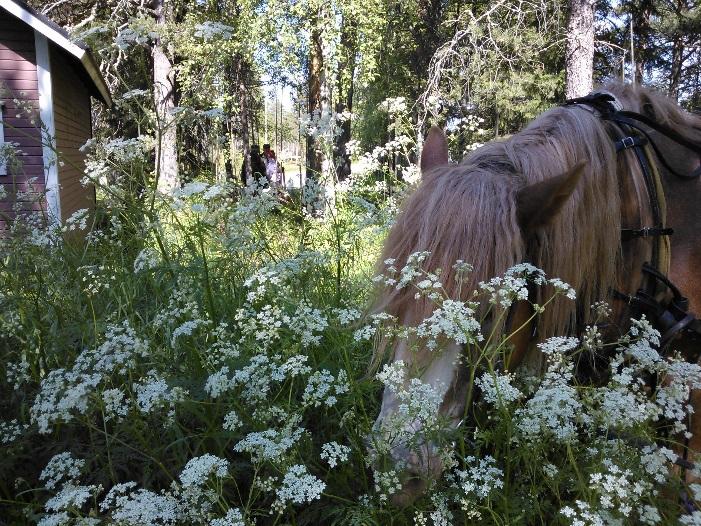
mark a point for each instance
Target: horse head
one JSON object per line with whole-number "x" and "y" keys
{"x": 556, "y": 194}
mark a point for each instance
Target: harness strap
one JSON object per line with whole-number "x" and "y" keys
{"x": 632, "y": 233}
{"x": 630, "y": 142}
{"x": 662, "y": 128}
{"x": 621, "y": 117}
{"x": 611, "y": 109}
{"x": 671, "y": 317}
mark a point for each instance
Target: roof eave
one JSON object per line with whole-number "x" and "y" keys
{"x": 58, "y": 36}
{"x": 96, "y": 77}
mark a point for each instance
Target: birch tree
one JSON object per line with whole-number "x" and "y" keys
{"x": 164, "y": 98}
{"x": 579, "y": 53}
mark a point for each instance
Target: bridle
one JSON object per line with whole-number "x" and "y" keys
{"x": 658, "y": 299}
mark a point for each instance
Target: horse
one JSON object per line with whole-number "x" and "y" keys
{"x": 571, "y": 194}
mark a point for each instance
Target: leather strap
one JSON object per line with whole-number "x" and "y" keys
{"x": 631, "y": 233}
{"x": 630, "y": 142}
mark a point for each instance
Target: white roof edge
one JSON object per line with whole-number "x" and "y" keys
{"x": 83, "y": 56}
{"x": 96, "y": 76}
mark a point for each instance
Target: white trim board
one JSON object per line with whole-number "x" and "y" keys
{"x": 48, "y": 130}
{"x": 61, "y": 40}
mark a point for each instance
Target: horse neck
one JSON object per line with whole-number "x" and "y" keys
{"x": 684, "y": 215}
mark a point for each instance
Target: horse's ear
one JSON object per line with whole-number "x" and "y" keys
{"x": 435, "y": 151}
{"x": 539, "y": 203}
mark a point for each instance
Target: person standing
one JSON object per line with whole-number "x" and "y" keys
{"x": 258, "y": 168}
{"x": 271, "y": 165}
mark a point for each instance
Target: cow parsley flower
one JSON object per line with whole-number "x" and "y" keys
{"x": 554, "y": 409}
{"x": 322, "y": 388}
{"x": 141, "y": 506}
{"x": 154, "y": 393}
{"x": 115, "y": 404}
{"x": 186, "y": 329}
{"x": 198, "y": 470}
{"x": 11, "y": 431}
{"x": 454, "y": 320}
{"x": 617, "y": 488}
{"x": 563, "y": 288}
{"x": 347, "y": 316}
{"x": 71, "y": 497}
{"x": 299, "y": 487}
{"x": 77, "y": 221}
{"x": 656, "y": 462}
{"x": 386, "y": 483}
{"x": 480, "y": 478}
{"x": 583, "y": 515}
{"x": 412, "y": 269}
{"x": 61, "y": 468}
{"x": 649, "y": 515}
{"x": 497, "y": 389}
{"x": 231, "y": 421}
{"x": 270, "y": 444}
{"x": 18, "y": 373}
{"x": 147, "y": 259}
{"x": 307, "y": 323}
{"x": 233, "y": 517}
{"x": 558, "y": 345}
{"x": 693, "y": 519}
{"x": 393, "y": 375}
{"x": 334, "y": 453}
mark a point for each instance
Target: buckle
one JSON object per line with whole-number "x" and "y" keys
{"x": 628, "y": 142}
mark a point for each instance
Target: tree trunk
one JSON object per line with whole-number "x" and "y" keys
{"x": 164, "y": 97}
{"x": 247, "y": 172}
{"x": 427, "y": 36}
{"x": 344, "y": 88}
{"x": 643, "y": 33}
{"x": 314, "y": 157}
{"x": 676, "y": 70}
{"x": 579, "y": 54}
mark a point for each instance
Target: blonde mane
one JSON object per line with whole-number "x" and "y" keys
{"x": 468, "y": 211}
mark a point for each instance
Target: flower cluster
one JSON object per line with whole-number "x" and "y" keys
{"x": 210, "y": 30}
{"x": 63, "y": 392}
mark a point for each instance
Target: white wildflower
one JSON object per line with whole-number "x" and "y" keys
{"x": 299, "y": 486}
{"x": 198, "y": 470}
{"x": 480, "y": 478}
{"x": 270, "y": 444}
{"x": 62, "y": 468}
{"x": 334, "y": 453}
{"x": 322, "y": 388}
{"x": 231, "y": 421}
{"x": 233, "y": 517}
{"x": 115, "y": 404}
{"x": 497, "y": 389}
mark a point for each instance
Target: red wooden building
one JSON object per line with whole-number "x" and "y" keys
{"x": 42, "y": 70}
